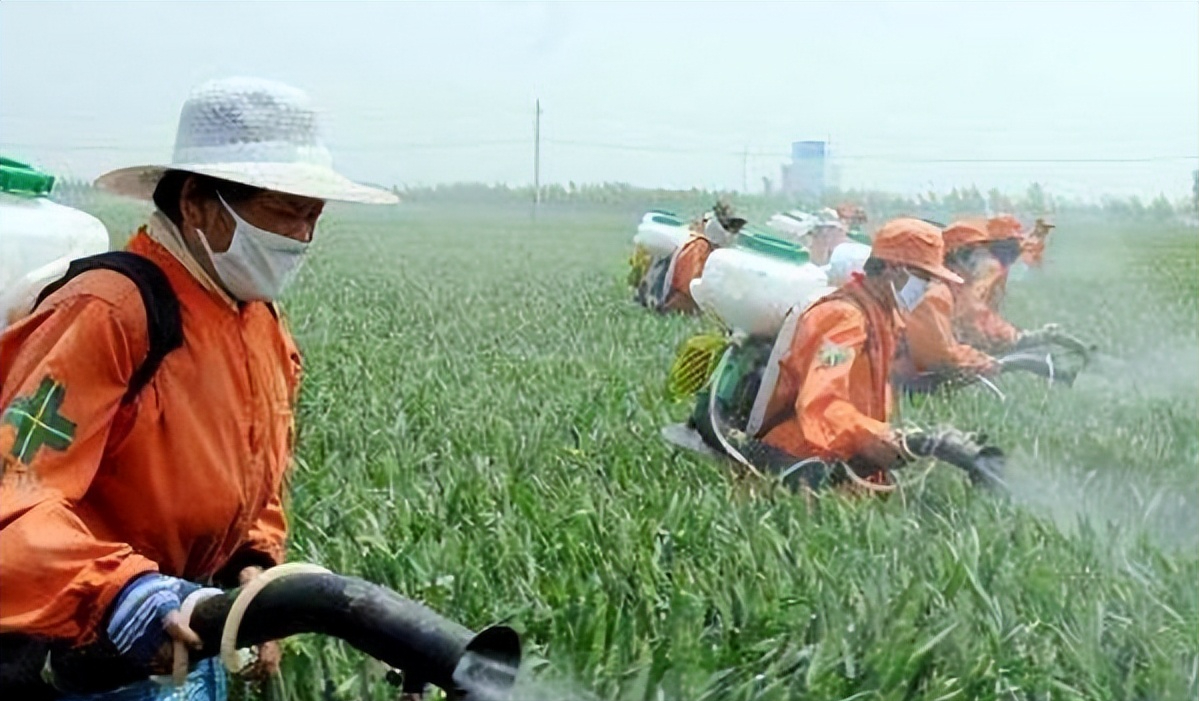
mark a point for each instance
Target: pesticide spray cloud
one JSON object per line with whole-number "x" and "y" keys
{"x": 1109, "y": 500}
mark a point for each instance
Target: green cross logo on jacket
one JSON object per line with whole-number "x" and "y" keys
{"x": 38, "y": 422}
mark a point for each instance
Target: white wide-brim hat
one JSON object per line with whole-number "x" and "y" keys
{"x": 255, "y": 132}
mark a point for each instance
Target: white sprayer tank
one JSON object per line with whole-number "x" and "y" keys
{"x": 751, "y": 285}
{"x": 661, "y": 233}
{"x": 793, "y": 225}
{"x": 38, "y": 238}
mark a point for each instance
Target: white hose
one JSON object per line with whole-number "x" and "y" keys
{"x": 181, "y": 661}
{"x": 728, "y": 448}
{"x": 991, "y": 386}
{"x": 229, "y": 654}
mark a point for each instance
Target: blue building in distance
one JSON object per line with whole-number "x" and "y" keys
{"x": 805, "y": 175}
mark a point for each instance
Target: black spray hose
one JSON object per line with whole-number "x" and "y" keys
{"x": 399, "y": 632}
{"x": 984, "y": 464}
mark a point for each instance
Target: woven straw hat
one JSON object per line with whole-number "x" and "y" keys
{"x": 255, "y": 132}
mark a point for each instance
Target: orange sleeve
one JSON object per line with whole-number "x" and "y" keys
{"x": 1032, "y": 251}
{"x": 975, "y": 322}
{"x": 931, "y": 339}
{"x": 688, "y": 265}
{"x": 65, "y": 370}
{"x": 269, "y": 533}
{"x": 267, "y": 540}
{"x": 825, "y": 407}
{"x": 265, "y": 545}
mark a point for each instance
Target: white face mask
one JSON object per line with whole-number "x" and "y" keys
{"x": 716, "y": 233}
{"x": 259, "y": 264}
{"x": 908, "y": 297}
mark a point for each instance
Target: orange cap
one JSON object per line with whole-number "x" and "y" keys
{"x": 1003, "y": 227}
{"x": 965, "y": 232}
{"x": 914, "y": 243}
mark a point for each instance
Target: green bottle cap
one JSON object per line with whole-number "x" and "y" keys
{"x": 23, "y": 179}
{"x": 772, "y": 246}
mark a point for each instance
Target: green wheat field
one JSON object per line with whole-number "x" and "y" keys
{"x": 479, "y": 431}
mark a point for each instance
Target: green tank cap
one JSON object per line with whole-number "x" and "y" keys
{"x": 859, "y": 236}
{"x": 22, "y": 179}
{"x": 772, "y": 246}
{"x": 667, "y": 219}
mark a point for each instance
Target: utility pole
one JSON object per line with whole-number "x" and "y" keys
{"x": 745, "y": 170}
{"x": 537, "y": 160}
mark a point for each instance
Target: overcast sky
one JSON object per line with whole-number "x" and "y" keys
{"x": 913, "y": 95}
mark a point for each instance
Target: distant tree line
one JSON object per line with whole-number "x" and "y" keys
{"x": 1035, "y": 201}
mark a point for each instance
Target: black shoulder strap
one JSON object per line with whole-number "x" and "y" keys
{"x": 163, "y": 321}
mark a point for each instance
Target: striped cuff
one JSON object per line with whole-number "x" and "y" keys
{"x": 136, "y": 625}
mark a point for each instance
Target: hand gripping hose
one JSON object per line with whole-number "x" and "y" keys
{"x": 984, "y": 464}
{"x": 401, "y": 633}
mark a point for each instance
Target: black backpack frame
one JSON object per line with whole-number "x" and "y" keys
{"x": 164, "y": 322}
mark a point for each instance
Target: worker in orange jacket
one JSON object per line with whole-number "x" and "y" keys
{"x": 930, "y": 352}
{"x": 824, "y": 238}
{"x": 929, "y": 347}
{"x": 123, "y": 493}
{"x": 981, "y": 252}
{"x": 831, "y": 402}
{"x": 687, "y": 264}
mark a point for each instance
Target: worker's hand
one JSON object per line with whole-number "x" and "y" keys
{"x": 915, "y": 442}
{"x": 1052, "y": 334}
{"x": 269, "y": 655}
{"x": 967, "y": 450}
{"x": 145, "y": 622}
{"x": 1033, "y": 338}
{"x": 178, "y": 631}
{"x": 927, "y": 443}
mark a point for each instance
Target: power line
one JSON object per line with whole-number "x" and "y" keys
{"x": 860, "y": 157}
{"x": 537, "y": 159}
{"x": 444, "y": 146}
{"x": 744, "y": 154}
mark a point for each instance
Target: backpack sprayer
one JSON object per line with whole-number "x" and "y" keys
{"x": 284, "y": 601}
{"x": 38, "y": 237}
{"x": 756, "y": 290}
{"x": 747, "y": 289}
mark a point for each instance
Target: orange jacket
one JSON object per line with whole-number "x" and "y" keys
{"x": 833, "y": 396}
{"x": 186, "y": 480}
{"x": 976, "y": 318}
{"x": 929, "y": 340}
{"x": 1032, "y": 251}
{"x": 688, "y": 265}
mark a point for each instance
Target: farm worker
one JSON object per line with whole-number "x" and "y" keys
{"x": 984, "y": 264}
{"x": 853, "y": 215}
{"x": 832, "y": 397}
{"x": 929, "y": 343}
{"x": 829, "y": 233}
{"x": 1032, "y": 247}
{"x": 847, "y": 258}
{"x": 115, "y": 508}
{"x": 688, "y": 262}
{"x": 930, "y": 350}
{"x": 980, "y": 251}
